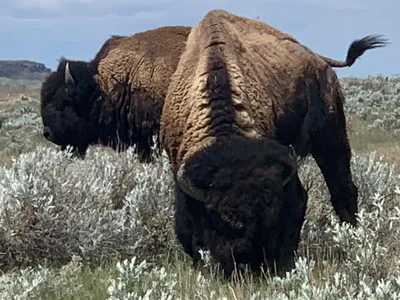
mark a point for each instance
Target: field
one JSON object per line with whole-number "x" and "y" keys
{"x": 101, "y": 228}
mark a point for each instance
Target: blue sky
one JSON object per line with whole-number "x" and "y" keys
{"x": 45, "y": 30}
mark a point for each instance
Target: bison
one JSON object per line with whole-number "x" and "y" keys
{"x": 116, "y": 98}
{"x": 245, "y": 102}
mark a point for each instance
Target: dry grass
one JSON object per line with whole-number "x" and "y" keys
{"x": 364, "y": 140}
{"x": 10, "y": 88}
{"x": 20, "y": 127}
{"x": 9, "y": 95}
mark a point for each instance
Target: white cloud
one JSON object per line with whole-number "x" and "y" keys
{"x": 338, "y": 4}
{"x": 39, "y": 3}
{"x": 76, "y": 3}
{"x": 99, "y": 8}
{"x": 87, "y": 8}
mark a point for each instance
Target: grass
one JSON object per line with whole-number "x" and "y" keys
{"x": 64, "y": 234}
{"x": 364, "y": 141}
{"x": 72, "y": 282}
{"x": 20, "y": 128}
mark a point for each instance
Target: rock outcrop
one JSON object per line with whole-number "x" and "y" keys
{"x": 23, "y": 69}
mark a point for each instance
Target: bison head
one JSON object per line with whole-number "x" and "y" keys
{"x": 240, "y": 184}
{"x": 66, "y": 104}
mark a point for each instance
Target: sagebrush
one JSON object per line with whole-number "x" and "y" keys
{"x": 102, "y": 227}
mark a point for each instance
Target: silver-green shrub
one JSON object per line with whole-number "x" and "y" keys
{"x": 375, "y": 99}
{"x": 53, "y": 207}
{"x": 56, "y": 210}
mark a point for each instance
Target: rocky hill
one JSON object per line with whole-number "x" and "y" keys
{"x": 23, "y": 69}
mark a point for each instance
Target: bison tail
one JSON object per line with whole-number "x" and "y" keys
{"x": 356, "y": 49}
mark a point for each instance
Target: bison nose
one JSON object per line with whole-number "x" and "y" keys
{"x": 46, "y": 132}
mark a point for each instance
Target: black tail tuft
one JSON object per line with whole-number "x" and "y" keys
{"x": 358, "y": 47}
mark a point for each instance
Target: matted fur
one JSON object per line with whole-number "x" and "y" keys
{"x": 241, "y": 214}
{"x": 116, "y": 98}
{"x": 243, "y": 82}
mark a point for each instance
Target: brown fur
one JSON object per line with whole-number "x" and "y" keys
{"x": 116, "y": 98}
{"x": 275, "y": 64}
{"x": 244, "y": 81}
{"x": 145, "y": 60}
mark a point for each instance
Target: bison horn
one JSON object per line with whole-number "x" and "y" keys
{"x": 292, "y": 153}
{"x": 293, "y": 164}
{"x": 68, "y": 76}
{"x": 185, "y": 184}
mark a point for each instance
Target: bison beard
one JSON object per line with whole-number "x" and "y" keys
{"x": 241, "y": 198}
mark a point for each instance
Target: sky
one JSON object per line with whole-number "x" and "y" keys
{"x": 45, "y": 30}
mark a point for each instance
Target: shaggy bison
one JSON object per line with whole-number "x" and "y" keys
{"x": 116, "y": 98}
{"x": 242, "y": 94}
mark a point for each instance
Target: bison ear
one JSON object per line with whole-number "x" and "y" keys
{"x": 290, "y": 166}
{"x": 69, "y": 80}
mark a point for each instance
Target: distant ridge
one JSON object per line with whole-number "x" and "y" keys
{"x": 23, "y": 69}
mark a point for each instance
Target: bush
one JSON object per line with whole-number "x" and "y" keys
{"x": 54, "y": 207}
{"x": 57, "y": 209}
{"x": 375, "y": 99}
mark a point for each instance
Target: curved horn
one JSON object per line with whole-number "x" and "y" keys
{"x": 68, "y": 76}
{"x": 293, "y": 153}
{"x": 185, "y": 184}
{"x": 293, "y": 164}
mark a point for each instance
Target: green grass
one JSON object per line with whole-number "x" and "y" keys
{"x": 81, "y": 283}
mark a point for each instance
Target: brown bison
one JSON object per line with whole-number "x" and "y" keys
{"x": 116, "y": 98}
{"x": 242, "y": 95}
